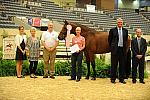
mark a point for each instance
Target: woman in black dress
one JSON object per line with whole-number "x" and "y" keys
{"x": 20, "y": 41}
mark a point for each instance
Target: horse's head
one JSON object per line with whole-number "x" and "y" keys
{"x": 63, "y": 32}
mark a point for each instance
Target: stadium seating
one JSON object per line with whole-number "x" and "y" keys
{"x": 101, "y": 21}
{"x": 132, "y": 19}
{"x": 6, "y": 23}
{"x": 146, "y": 14}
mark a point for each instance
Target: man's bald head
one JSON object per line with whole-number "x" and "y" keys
{"x": 138, "y": 32}
{"x": 50, "y": 26}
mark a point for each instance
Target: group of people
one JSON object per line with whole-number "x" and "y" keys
{"x": 117, "y": 40}
{"x": 31, "y": 46}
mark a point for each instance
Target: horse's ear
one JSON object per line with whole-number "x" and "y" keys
{"x": 66, "y": 22}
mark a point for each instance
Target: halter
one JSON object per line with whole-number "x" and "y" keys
{"x": 67, "y": 39}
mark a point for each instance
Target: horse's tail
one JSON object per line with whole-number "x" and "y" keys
{"x": 128, "y": 64}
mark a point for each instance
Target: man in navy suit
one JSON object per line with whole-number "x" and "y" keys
{"x": 117, "y": 39}
{"x": 138, "y": 47}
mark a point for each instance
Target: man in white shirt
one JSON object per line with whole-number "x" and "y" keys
{"x": 50, "y": 42}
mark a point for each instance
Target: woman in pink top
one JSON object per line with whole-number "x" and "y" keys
{"x": 76, "y": 57}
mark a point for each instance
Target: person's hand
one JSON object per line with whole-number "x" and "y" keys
{"x": 51, "y": 49}
{"x": 139, "y": 56}
{"x": 23, "y": 52}
{"x": 26, "y": 49}
{"x": 77, "y": 51}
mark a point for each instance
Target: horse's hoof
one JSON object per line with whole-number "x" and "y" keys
{"x": 87, "y": 78}
{"x": 93, "y": 78}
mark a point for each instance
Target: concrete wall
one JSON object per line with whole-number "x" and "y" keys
{"x": 105, "y": 4}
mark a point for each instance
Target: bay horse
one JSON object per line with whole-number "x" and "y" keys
{"x": 95, "y": 43}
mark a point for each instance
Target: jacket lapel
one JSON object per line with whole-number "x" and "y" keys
{"x": 116, "y": 29}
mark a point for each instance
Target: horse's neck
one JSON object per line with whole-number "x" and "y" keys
{"x": 85, "y": 32}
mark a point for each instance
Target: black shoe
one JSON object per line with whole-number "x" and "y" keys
{"x": 71, "y": 79}
{"x": 113, "y": 81}
{"x": 87, "y": 77}
{"x": 142, "y": 82}
{"x": 93, "y": 78}
{"x": 45, "y": 76}
{"x": 52, "y": 77}
{"x": 122, "y": 82}
{"x": 77, "y": 80}
{"x": 21, "y": 76}
{"x": 133, "y": 81}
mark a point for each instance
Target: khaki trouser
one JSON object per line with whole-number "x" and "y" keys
{"x": 49, "y": 57}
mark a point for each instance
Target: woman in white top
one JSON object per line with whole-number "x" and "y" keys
{"x": 20, "y": 41}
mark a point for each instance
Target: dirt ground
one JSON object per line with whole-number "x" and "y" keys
{"x": 12, "y": 88}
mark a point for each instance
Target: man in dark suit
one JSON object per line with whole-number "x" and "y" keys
{"x": 117, "y": 39}
{"x": 138, "y": 47}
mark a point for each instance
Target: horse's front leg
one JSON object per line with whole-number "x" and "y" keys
{"x": 88, "y": 65}
{"x": 92, "y": 59}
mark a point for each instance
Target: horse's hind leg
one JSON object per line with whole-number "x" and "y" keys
{"x": 94, "y": 71}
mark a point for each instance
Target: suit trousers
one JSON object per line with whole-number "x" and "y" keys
{"x": 135, "y": 63}
{"x": 115, "y": 59}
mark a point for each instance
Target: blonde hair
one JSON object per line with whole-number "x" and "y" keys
{"x": 33, "y": 29}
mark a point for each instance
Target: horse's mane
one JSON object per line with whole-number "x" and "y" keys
{"x": 84, "y": 28}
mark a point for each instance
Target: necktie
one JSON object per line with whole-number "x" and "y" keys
{"x": 120, "y": 38}
{"x": 139, "y": 43}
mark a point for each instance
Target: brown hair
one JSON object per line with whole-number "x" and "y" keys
{"x": 21, "y": 27}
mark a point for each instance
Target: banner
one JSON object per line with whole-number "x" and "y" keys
{"x": 90, "y": 8}
{"x": 44, "y": 22}
{"x": 9, "y": 48}
{"x": 30, "y": 21}
{"x": 36, "y": 22}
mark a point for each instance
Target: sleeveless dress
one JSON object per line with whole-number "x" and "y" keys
{"x": 19, "y": 54}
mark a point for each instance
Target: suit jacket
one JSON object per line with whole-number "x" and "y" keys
{"x": 135, "y": 49}
{"x": 113, "y": 39}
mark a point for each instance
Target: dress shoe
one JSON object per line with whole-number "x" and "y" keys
{"x": 71, "y": 79}
{"x": 133, "y": 81}
{"x": 87, "y": 78}
{"x": 77, "y": 80}
{"x": 93, "y": 78}
{"x": 45, "y": 76}
{"x": 142, "y": 82}
{"x": 122, "y": 81}
{"x": 113, "y": 81}
{"x": 52, "y": 77}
